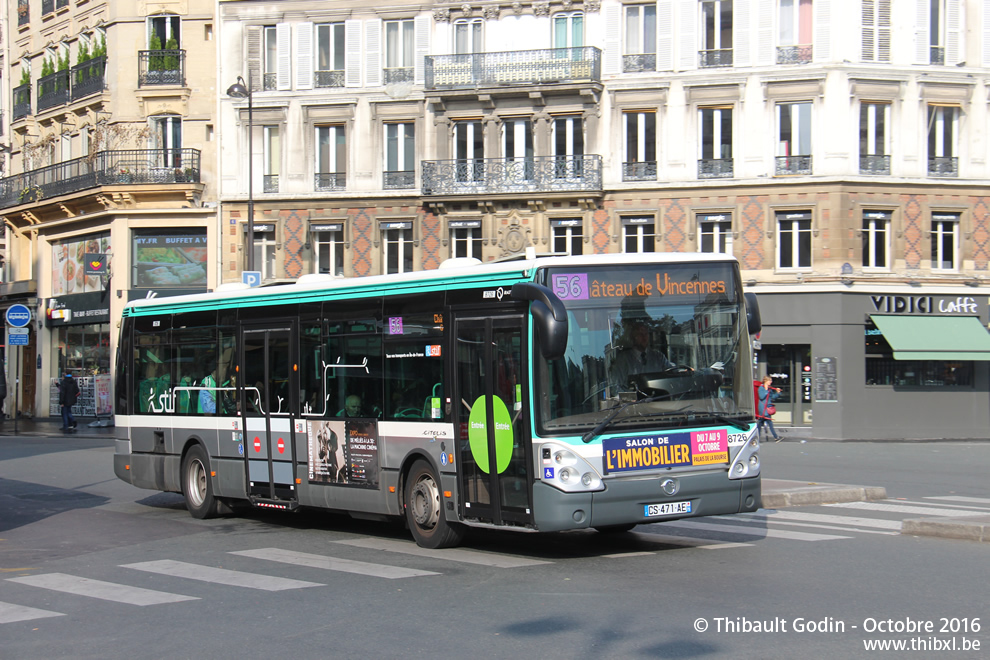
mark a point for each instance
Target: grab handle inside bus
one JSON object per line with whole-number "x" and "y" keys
{"x": 753, "y": 319}
{"x": 549, "y": 314}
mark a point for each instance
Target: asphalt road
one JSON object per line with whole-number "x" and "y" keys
{"x": 91, "y": 567}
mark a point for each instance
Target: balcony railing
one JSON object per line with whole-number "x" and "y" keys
{"x": 53, "y": 90}
{"x": 640, "y": 62}
{"x": 399, "y": 179}
{"x": 399, "y": 74}
{"x": 642, "y": 171}
{"x": 22, "y": 101}
{"x": 269, "y": 82}
{"x": 784, "y": 165}
{"x": 794, "y": 54}
{"x": 874, "y": 164}
{"x": 329, "y": 78}
{"x": 519, "y": 67}
{"x": 161, "y": 67}
{"x": 715, "y": 168}
{"x": 710, "y": 58}
{"x": 325, "y": 181}
{"x": 269, "y": 183}
{"x": 106, "y": 168}
{"x": 509, "y": 175}
{"x": 88, "y": 77}
{"x": 947, "y": 166}
{"x": 937, "y": 55}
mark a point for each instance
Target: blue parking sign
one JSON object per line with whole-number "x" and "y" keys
{"x": 251, "y": 277}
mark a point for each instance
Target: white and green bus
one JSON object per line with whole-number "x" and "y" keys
{"x": 504, "y": 395}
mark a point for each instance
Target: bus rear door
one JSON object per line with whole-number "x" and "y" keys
{"x": 494, "y": 474}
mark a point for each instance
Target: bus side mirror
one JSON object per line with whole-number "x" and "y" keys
{"x": 753, "y": 319}
{"x": 549, "y": 314}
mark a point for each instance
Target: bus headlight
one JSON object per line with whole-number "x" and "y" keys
{"x": 746, "y": 464}
{"x": 568, "y": 471}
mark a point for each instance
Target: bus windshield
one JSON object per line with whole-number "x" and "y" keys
{"x": 649, "y": 345}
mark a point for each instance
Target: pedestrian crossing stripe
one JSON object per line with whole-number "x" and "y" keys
{"x": 119, "y": 593}
{"x": 333, "y": 563}
{"x": 220, "y": 575}
{"x": 490, "y": 559}
{"x": 908, "y": 509}
{"x": 746, "y": 530}
{"x": 11, "y": 613}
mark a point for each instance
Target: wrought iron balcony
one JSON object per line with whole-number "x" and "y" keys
{"x": 715, "y": 168}
{"x": 794, "y": 54}
{"x": 641, "y": 171}
{"x": 784, "y": 165}
{"x": 710, "y": 58}
{"x": 53, "y": 90}
{"x": 88, "y": 77}
{"x": 937, "y": 55}
{"x": 519, "y": 67}
{"x": 161, "y": 67}
{"x": 640, "y": 62}
{"x": 329, "y": 78}
{"x": 509, "y": 175}
{"x": 325, "y": 181}
{"x": 269, "y": 183}
{"x": 106, "y": 168}
{"x": 946, "y": 166}
{"x": 399, "y": 74}
{"x": 269, "y": 82}
{"x": 22, "y": 101}
{"x": 874, "y": 164}
{"x": 399, "y": 179}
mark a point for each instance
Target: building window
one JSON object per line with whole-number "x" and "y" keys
{"x": 883, "y": 369}
{"x": 568, "y": 147}
{"x": 399, "y": 50}
{"x": 876, "y": 30}
{"x": 467, "y": 36}
{"x": 715, "y": 233}
{"x": 331, "y": 158}
{"x": 469, "y": 150}
{"x": 166, "y": 140}
{"x": 945, "y": 241}
{"x": 942, "y": 132}
{"x": 330, "y": 49}
{"x": 641, "y": 38}
{"x": 264, "y": 251}
{"x": 715, "y": 139}
{"x": 794, "y": 38}
{"x": 716, "y": 19}
{"x": 876, "y": 240}
{"x": 568, "y": 30}
{"x": 165, "y": 28}
{"x": 273, "y": 160}
{"x": 638, "y": 234}
{"x": 465, "y": 238}
{"x": 793, "y": 138}
{"x": 328, "y": 248}
{"x": 397, "y": 247}
{"x": 567, "y": 237}
{"x": 400, "y": 155}
{"x": 269, "y": 57}
{"x": 639, "y": 136}
{"x": 793, "y": 240}
{"x": 874, "y": 138}
{"x": 517, "y": 147}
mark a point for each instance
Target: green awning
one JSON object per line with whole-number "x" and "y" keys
{"x": 935, "y": 337}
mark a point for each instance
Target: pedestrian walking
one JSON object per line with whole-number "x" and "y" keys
{"x": 766, "y": 395}
{"x": 68, "y": 394}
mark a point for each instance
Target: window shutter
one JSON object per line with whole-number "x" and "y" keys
{"x": 986, "y": 32}
{"x": 922, "y": 42}
{"x": 422, "y": 35}
{"x": 688, "y": 22}
{"x": 953, "y": 31}
{"x": 822, "y": 48}
{"x": 614, "y": 47}
{"x": 373, "y": 52}
{"x": 254, "y": 57}
{"x": 304, "y": 56}
{"x": 665, "y": 35}
{"x": 883, "y": 30}
{"x": 283, "y": 71}
{"x": 742, "y": 33}
{"x": 352, "y": 52}
{"x": 869, "y": 31}
{"x": 766, "y": 48}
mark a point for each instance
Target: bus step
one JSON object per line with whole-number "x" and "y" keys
{"x": 281, "y": 505}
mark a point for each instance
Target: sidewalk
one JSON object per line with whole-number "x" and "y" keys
{"x": 52, "y": 427}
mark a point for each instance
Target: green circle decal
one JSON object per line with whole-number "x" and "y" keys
{"x": 478, "y": 434}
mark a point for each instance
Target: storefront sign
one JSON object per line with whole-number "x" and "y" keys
{"x": 925, "y": 305}
{"x": 78, "y": 309}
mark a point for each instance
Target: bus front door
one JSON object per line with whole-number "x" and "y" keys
{"x": 269, "y": 404}
{"x": 494, "y": 474}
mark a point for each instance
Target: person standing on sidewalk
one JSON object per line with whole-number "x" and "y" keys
{"x": 68, "y": 394}
{"x": 766, "y": 395}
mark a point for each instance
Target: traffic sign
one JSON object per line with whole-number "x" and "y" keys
{"x": 251, "y": 277}
{"x": 18, "y": 337}
{"x": 18, "y": 316}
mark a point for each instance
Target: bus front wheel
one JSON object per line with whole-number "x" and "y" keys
{"x": 425, "y": 512}
{"x": 196, "y": 484}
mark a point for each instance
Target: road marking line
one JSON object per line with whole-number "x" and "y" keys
{"x": 10, "y": 613}
{"x": 332, "y": 563}
{"x": 837, "y": 528}
{"x": 828, "y": 519}
{"x": 689, "y": 541}
{"x": 900, "y": 508}
{"x": 450, "y": 554}
{"x": 750, "y": 531}
{"x": 620, "y": 555}
{"x": 119, "y": 593}
{"x": 220, "y": 575}
{"x": 961, "y": 498}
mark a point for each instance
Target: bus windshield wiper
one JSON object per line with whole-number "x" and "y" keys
{"x": 719, "y": 418}
{"x": 587, "y": 437}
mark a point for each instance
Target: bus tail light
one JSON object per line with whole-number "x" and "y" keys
{"x": 746, "y": 464}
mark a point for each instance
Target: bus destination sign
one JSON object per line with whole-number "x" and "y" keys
{"x": 678, "y": 283}
{"x": 654, "y": 452}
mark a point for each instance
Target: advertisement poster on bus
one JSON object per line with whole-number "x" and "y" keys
{"x": 343, "y": 452}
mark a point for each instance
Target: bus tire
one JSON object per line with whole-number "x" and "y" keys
{"x": 197, "y": 487}
{"x": 425, "y": 512}
{"x": 615, "y": 529}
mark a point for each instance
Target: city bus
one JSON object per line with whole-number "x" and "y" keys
{"x": 493, "y": 395}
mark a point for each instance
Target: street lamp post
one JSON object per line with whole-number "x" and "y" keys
{"x": 240, "y": 90}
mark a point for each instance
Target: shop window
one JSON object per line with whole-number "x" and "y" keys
{"x": 465, "y": 238}
{"x": 638, "y": 234}
{"x": 883, "y": 369}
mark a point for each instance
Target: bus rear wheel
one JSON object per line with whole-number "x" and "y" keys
{"x": 425, "y": 512}
{"x": 197, "y": 486}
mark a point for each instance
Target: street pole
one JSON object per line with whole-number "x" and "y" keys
{"x": 242, "y": 90}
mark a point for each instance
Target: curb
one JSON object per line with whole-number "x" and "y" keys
{"x": 781, "y": 494}
{"x": 949, "y": 528}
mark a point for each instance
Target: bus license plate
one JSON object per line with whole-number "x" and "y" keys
{"x": 667, "y": 509}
